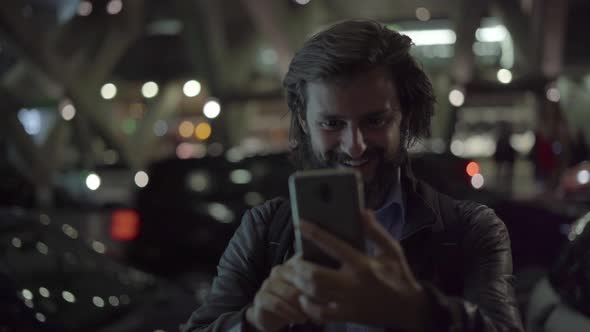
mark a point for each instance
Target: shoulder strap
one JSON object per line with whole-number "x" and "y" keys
{"x": 280, "y": 234}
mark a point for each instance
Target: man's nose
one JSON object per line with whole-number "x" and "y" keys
{"x": 353, "y": 142}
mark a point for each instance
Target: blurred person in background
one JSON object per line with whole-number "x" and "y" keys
{"x": 504, "y": 156}
{"x": 358, "y": 100}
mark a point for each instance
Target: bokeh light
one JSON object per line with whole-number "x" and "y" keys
{"x": 456, "y": 98}
{"x": 114, "y": 7}
{"x": 504, "y": 76}
{"x": 141, "y": 179}
{"x": 93, "y": 181}
{"x": 85, "y": 8}
{"x": 68, "y": 111}
{"x": 472, "y": 168}
{"x": 186, "y": 129}
{"x": 203, "y": 131}
{"x": 211, "y": 109}
{"x": 149, "y": 89}
{"x": 191, "y": 88}
{"x": 477, "y": 181}
{"x": 108, "y": 91}
{"x": 422, "y": 14}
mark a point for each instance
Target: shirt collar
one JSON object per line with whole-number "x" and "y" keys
{"x": 394, "y": 196}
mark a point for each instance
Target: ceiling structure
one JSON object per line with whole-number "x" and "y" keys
{"x": 62, "y": 52}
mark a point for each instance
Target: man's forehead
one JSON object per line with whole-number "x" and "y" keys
{"x": 372, "y": 95}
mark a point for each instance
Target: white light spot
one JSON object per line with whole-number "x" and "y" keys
{"x": 108, "y": 91}
{"x": 84, "y": 8}
{"x": 114, "y": 7}
{"x": 302, "y": 2}
{"x": 149, "y": 89}
{"x": 16, "y": 242}
{"x": 114, "y": 301}
{"x": 31, "y": 120}
{"x": 496, "y": 33}
{"x": 221, "y": 213}
{"x": 68, "y": 112}
{"x": 42, "y": 248}
{"x": 98, "y": 301}
{"x": 240, "y": 176}
{"x": 29, "y": 304}
{"x": 457, "y": 148}
{"x": 160, "y": 128}
{"x": 40, "y": 317}
{"x": 456, "y": 98}
{"x": 198, "y": 181}
{"x": 422, "y": 14}
{"x": 431, "y": 37}
{"x": 69, "y": 231}
{"x": 583, "y": 177}
{"x": 269, "y": 56}
{"x": 44, "y": 292}
{"x": 553, "y": 94}
{"x": 141, "y": 179}
{"x": 477, "y": 181}
{"x": 191, "y": 88}
{"x": 68, "y": 297}
{"x": 99, "y": 247}
{"x": 93, "y": 181}
{"x": 211, "y": 109}
{"x": 27, "y": 294}
{"x": 44, "y": 219}
{"x": 504, "y": 76}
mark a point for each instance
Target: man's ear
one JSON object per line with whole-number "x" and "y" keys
{"x": 302, "y": 123}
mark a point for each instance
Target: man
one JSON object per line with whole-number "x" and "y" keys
{"x": 359, "y": 100}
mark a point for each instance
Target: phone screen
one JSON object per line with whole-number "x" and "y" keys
{"x": 332, "y": 199}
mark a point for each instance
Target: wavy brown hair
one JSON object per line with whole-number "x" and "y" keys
{"x": 346, "y": 50}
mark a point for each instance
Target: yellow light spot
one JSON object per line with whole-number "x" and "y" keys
{"x": 203, "y": 131}
{"x": 186, "y": 129}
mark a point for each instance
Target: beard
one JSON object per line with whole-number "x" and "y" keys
{"x": 382, "y": 180}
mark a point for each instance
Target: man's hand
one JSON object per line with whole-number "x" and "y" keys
{"x": 378, "y": 291}
{"x": 276, "y": 303}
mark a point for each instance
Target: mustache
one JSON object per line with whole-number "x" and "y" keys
{"x": 339, "y": 157}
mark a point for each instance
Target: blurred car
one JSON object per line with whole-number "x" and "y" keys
{"x": 191, "y": 208}
{"x": 54, "y": 280}
{"x": 561, "y": 300}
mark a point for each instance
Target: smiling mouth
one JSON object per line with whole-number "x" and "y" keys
{"x": 355, "y": 163}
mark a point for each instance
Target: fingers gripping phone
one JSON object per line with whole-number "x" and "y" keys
{"x": 331, "y": 199}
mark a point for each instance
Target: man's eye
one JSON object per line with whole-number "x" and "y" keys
{"x": 330, "y": 124}
{"x": 376, "y": 122}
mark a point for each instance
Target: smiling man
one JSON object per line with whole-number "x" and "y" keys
{"x": 359, "y": 100}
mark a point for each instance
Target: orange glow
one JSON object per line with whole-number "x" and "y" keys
{"x": 124, "y": 225}
{"x": 203, "y": 131}
{"x": 186, "y": 129}
{"x": 472, "y": 168}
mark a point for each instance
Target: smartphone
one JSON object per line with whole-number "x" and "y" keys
{"x": 331, "y": 199}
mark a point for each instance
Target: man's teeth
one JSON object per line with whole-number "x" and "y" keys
{"x": 355, "y": 163}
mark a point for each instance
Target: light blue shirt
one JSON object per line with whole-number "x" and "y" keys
{"x": 391, "y": 216}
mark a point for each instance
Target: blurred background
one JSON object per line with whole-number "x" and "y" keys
{"x": 134, "y": 134}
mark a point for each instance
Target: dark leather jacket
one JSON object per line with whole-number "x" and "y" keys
{"x": 464, "y": 264}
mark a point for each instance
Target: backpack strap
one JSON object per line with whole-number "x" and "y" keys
{"x": 280, "y": 234}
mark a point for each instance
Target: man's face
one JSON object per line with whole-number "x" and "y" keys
{"x": 356, "y": 124}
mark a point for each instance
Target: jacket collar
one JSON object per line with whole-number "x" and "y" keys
{"x": 421, "y": 205}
